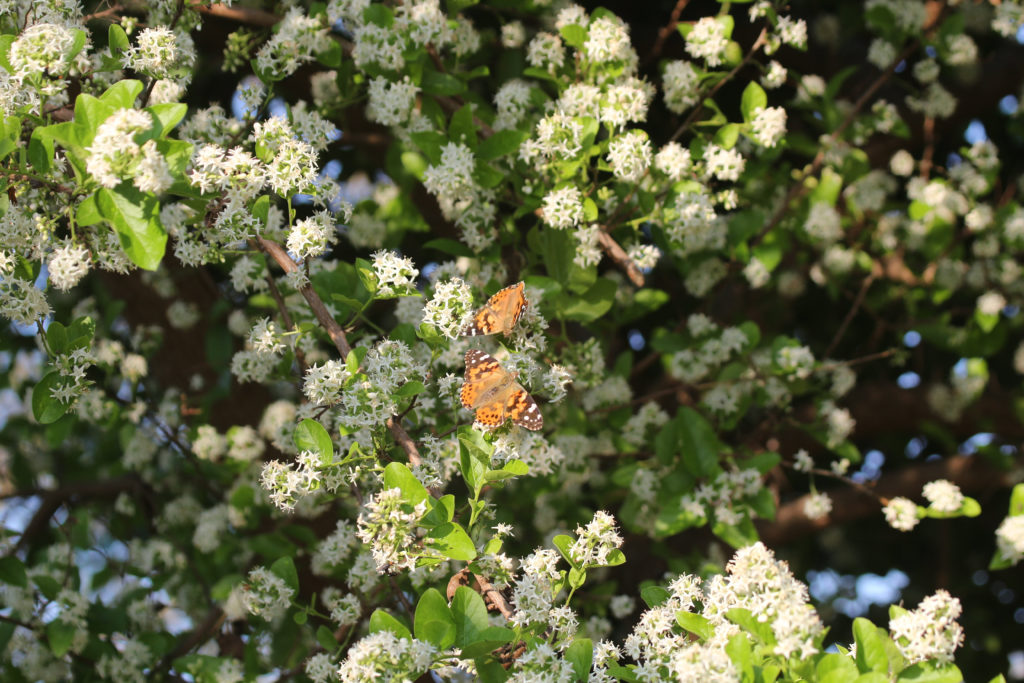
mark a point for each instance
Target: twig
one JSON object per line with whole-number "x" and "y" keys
{"x": 210, "y": 625}
{"x": 666, "y": 31}
{"x": 337, "y": 335}
{"x": 244, "y": 15}
{"x": 762, "y": 38}
{"x": 927, "y": 158}
{"x": 621, "y": 258}
{"x": 850, "y": 314}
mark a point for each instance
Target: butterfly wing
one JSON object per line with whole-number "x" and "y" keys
{"x": 500, "y": 314}
{"x": 483, "y": 373}
{"x": 522, "y": 409}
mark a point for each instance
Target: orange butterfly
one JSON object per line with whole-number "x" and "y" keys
{"x": 500, "y": 314}
{"x": 495, "y": 395}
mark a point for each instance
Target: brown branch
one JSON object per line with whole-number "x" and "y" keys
{"x": 621, "y": 258}
{"x": 109, "y": 13}
{"x": 243, "y": 15}
{"x": 865, "y": 286}
{"x": 798, "y": 189}
{"x": 927, "y": 158}
{"x": 971, "y": 474}
{"x": 323, "y": 316}
{"x": 666, "y": 31}
{"x": 761, "y": 40}
{"x": 53, "y": 499}
{"x": 337, "y": 335}
{"x": 199, "y": 635}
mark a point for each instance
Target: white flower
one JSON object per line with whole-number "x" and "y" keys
{"x": 563, "y": 208}
{"x": 929, "y": 632}
{"x": 673, "y": 160}
{"x": 681, "y": 85}
{"x": 161, "y": 53}
{"x": 901, "y": 163}
{"x": 396, "y": 275}
{"x": 769, "y": 125}
{"x": 391, "y": 102}
{"x": 545, "y": 51}
{"x": 802, "y": 461}
{"x": 775, "y": 77}
{"x": 991, "y": 303}
{"x": 901, "y": 514}
{"x": 944, "y": 495}
{"x": 724, "y": 164}
{"x": 1010, "y": 538}
{"x": 707, "y": 41}
{"x": 450, "y": 307}
{"x": 67, "y": 265}
{"x": 629, "y": 155}
{"x": 817, "y": 505}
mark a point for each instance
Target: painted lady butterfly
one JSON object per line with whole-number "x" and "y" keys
{"x": 492, "y": 391}
{"x": 500, "y": 314}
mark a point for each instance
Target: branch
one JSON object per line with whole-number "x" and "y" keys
{"x": 762, "y": 38}
{"x": 337, "y": 335}
{"x": 243, "y": 15}
{"x": 970, "y": 473}
{"x": 666, "y": 31}
{"x": 199, "y": 635}
{"x": 53, "y": 499}
{"x": 621, "y": 258}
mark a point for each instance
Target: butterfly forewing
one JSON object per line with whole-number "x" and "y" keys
{"x": 500, "y": 314}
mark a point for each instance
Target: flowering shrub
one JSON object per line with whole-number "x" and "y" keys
{"x": 479, "y": 336}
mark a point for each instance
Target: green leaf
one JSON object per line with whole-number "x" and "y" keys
{"x": 57, "y": 338}
{"x": 574, "y": 35}
{"x": 727, "y": 135}
{"x": 326, "y": 639}
{"x": 835, "y": 667}
{"x": 136, "y": 218}
{"x": 12, "y": 572}
{"x": 695, "y": 624}
{"x": 120, "y": 95}
{"x": 168, "y": 114}
{"x": 452, "y": 541}
{"x": 117, "y": 39}
{"x": 737, "y": 535}
{"x": 470, "y": 616}
{"x": 310, "y": 435}
{"x": 60, "y": 636}
{"x": 746, "y": 620}
{"x": 382, "y": 621}
{"x": 434, "y": 622}
{"x": 700, "y": 446}
{"x": 870, "y": 640}
{"x": 397, "y": 475}
{"x": 1017, "y": 500}
{"x": 593, "y": 303}
{"x": 754, "y": 97}
{"x": 930, "y": 672}
{"x": 284, "y": 568}
{"x": 502, "y": 143}
{"x": 563, "y": 543}
{"x": 436, "y": 83}
{"x": 462, "y": 127}
{"x": 410, "y": 388}
{"x": 45, "y": 408}
{"x": 654, "y": 595}
{"x": 581, "y": 655}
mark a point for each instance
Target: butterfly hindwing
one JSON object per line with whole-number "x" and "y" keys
{"x": 492, "y": 393}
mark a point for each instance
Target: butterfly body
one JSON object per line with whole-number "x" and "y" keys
{"x": 501, "y": 312}
{"x": 494, "y": 394}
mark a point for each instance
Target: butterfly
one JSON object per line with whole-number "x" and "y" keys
{"x": 495, "y": 395}
{"x": 500, "y": 314}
